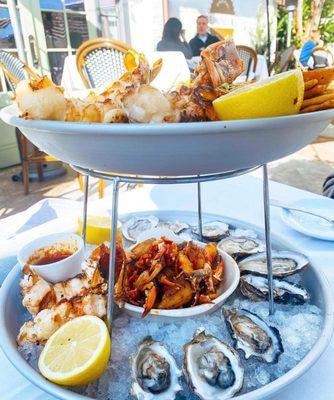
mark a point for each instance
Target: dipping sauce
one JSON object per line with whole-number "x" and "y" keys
{"x": 52, "y": 258}
{"x": 52, "y": 254}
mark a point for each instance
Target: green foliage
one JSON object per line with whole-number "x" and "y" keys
{"x": 326, "y": 25}
{"x": 282, "y": 28}
{"x": 259, "y": 37}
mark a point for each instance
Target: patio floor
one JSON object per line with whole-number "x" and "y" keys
{"x": 305, "y": 169}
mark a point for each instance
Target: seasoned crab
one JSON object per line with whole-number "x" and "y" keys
{"x": 220, "y": 64}
{"x": 162, "y": 274}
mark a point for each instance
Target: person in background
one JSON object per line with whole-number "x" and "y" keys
{"x": 171, "y": 38}
{"x": 203, "y": 38}
{"x": 312, "y": 42}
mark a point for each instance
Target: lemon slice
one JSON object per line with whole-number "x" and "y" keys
{"x": 279, "y": 95}
{"x": 77, "y": 353}
{"x": 98, "y": 229}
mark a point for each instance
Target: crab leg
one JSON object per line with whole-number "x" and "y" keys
{"x": 165, "y": 281}
{"x": 151, "y": 295}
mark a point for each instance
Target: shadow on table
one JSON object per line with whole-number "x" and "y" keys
{"x": 303, "y": 174}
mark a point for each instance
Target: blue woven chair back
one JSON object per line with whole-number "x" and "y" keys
{"x": 14, "y": 66}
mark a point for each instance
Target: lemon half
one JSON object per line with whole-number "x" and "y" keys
{"x": 98, "y": 229}
{"x": 279, "y": 95}
{"x": 77, "y": 353}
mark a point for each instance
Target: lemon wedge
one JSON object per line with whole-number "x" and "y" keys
{"x": 279, "y": 95}
{"x": 77, "y": 353}
{"x": 98, "y": 229}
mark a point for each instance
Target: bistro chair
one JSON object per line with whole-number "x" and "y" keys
{"x": 283, "y": 59}
{"x": 16, "y": 70}
{"x": 322, "y": 58}
{"x": 249, "y": 57}
{"x": 100, "y": 61}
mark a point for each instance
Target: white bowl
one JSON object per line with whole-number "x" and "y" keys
{"x": 175, "y": 149}
{"x": 60, "y": 270}
{"x": 228, "y": 285}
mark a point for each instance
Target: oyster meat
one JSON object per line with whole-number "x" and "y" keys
{"x": 174, "y": 226}
{"x": 132, "y": 228}
{"x": 284, "y": 263}
{"x": 240, "y": 247}
{"x": 154, "y": 372}
{"x": 253, "y": 335}
{"x": 256, "y": 288}
{"x": 213, "y": 231}
{"x": 212, "y": 367}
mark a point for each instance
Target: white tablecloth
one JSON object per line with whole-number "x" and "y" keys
{"x": 239, "y": 198}
{"x": 261, "y": 70}
{"x": 174, "y": 69}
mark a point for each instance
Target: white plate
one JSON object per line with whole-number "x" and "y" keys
{"x": 176, "y": 149}
{"x": 12, "y": 316}
{"x": 309, "y": 225}
{"x": 228, "y": 285}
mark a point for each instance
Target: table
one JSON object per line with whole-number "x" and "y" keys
{"x": 261, "y": 70}
{"x": 174, "y": 69}
{"x": 222, "y": 197}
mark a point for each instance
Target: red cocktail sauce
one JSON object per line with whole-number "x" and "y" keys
{"x": 50, "y": 258}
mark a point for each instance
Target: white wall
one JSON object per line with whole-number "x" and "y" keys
{"x": 146, "y": 23}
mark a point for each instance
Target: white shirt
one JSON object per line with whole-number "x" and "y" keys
{"x": 203, "y": 37}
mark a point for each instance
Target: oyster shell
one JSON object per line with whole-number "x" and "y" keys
{"x": 240, "y": 247}
{"x": 253, "y": 335}
{"x": 136, "y": 225}
{"x": 212, "y": 367}
{"x": 284, "y": 263}
{"x": 256, "y": 288}
{"x": 214, "y": 230}
{"x": 154, "y": 371}
{"x": 174, "y": 226}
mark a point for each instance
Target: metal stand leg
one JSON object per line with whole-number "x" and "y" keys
{"x": 84, "y": 213}
{"x": 112, "y": 258}
{"x": 266, "y": 206}
{"x": 199, "y": 209}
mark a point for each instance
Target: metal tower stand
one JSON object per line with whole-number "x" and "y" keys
{"x": 116, "y": 179}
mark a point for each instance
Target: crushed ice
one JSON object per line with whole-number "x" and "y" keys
{"x": 299, "y": 326}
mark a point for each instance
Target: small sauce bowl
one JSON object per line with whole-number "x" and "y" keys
{"x": 55, "y": 258}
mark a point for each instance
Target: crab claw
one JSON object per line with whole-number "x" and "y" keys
{"x": 218, "y": 271}
{"x": 151, "y": 295}
{"x": 165, "y": 281}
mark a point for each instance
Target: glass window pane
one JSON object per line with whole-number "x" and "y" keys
{"x": 56, "y": 61}
{"x": 51, "y": 4}
{"x": 77, "y": 25}
{"x": 6, "y": 31}
{"x": 54, "y": 25}
{"x": 75, "y": 5}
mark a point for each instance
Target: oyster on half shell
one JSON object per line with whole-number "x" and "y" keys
{"x": 253, "y": 335}
{"x": 284, "y": 263}
{"x": 134, "y": 226}
{"x": 175, "y": 226}
{"x": 213, "y": 230}
{"x": 256, "y": 288}
{"x": 212, "y": 367}
{"x": 240, "y": 247}
{"x": 154, "y": 372}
